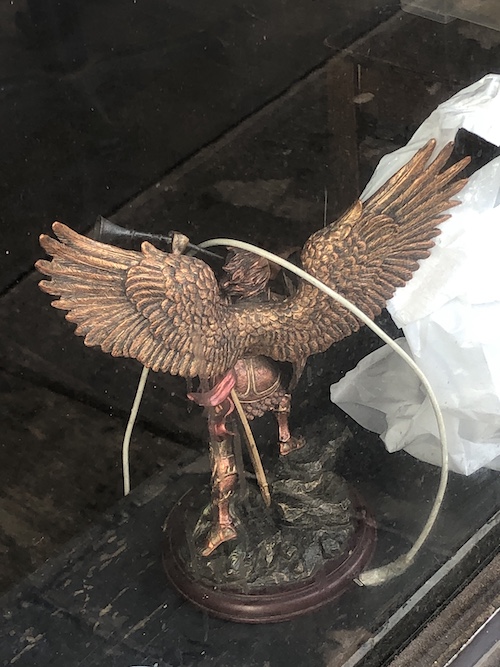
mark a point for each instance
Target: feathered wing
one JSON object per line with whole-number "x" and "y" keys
{"x": 166, "y": 311}
{"x": 366, "y": 255}
{"x": 163, "y": 309}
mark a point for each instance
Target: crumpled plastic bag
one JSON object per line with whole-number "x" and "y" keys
{"x": 449, "y": 313}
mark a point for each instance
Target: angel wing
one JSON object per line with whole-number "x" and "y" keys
{"x": 166, "y": 309}
{"x": 366, "y": 255}
{"x": 163, "y": 309}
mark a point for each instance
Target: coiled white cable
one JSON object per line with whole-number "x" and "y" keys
{"x": 379, "y": 575}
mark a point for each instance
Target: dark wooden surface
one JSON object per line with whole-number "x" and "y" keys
{"x": 465, "y": 620}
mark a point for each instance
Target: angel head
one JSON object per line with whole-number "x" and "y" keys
{"x": 247, "y": 274}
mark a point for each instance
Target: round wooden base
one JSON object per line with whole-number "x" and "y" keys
{"x": 273, "y": 604}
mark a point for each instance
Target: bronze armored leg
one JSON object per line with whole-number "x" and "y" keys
{"x": 287, "y": 442}
{"x": 224, "y": 479}
{"x": 222, "y": 459}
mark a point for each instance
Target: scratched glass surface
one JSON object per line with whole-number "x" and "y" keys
{"x": 261, "y": 122}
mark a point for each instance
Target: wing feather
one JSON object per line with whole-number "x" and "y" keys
{"x": 163, "y": 309}
{"x": 395, "y": 229}
{"x": 373, "y": 249}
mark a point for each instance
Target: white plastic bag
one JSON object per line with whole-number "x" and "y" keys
{"x": 449, "y": 312}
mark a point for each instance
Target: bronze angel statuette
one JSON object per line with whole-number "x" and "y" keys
{"x": 169, "y": 311}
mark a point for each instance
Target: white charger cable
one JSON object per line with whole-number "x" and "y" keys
{"x": 130, "y": 427}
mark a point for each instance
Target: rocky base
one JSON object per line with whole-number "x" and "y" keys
{"x": 315, "y": 537}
